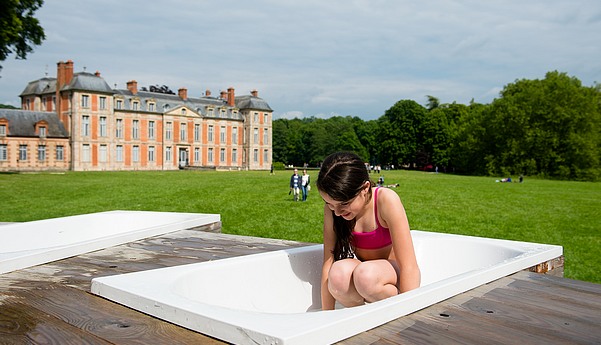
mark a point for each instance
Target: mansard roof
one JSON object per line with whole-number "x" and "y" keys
{"x": 166, "y": 102}
{"x": 21, "y": 123}
{"x": 252, "y": 102}
{"x": 84, "y": 81}
{"x": 39, "y": 87}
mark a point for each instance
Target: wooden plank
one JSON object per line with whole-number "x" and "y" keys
{"x": 20, "y": 323}
{"x": 495, "y": 313}
{"x": 97, "y": 319}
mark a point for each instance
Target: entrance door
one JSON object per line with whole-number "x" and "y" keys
{"x": 183, "y": 158}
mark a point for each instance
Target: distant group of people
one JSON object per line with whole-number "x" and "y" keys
{"x": 300, "y": 185}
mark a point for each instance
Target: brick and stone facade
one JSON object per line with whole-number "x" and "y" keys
{"x": 132, "y": 128}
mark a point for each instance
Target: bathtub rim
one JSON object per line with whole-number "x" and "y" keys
{"x": 16, "y": 260}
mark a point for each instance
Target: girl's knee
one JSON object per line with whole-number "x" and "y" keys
{"x": 371, "y": 281}
{"x": 340, "y": 276}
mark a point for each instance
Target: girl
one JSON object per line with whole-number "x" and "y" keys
{"x": 368, "y": 251}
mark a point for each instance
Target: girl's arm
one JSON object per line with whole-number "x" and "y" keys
{"x": 329, "y": 238}
{"x": 392, "y": 214}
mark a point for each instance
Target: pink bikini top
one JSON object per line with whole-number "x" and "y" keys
{"x": 375, "y": 239}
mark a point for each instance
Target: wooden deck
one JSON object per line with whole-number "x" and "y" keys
{"x": 51, "y": 303}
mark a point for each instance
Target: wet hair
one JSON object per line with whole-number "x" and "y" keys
{"x": 342, "y": 177}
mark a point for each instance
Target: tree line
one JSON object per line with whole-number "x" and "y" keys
{"x": 544, "y": 127}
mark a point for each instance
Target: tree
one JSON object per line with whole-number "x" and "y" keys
{"x": 401, "y": 133}
{"x": 19, "y": 29}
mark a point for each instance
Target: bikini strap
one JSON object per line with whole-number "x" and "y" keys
{"x": 376, "y": 207}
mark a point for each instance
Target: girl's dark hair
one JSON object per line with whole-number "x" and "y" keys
{"x": 342, "y": 176}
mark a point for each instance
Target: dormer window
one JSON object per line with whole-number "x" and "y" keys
{"x": 165, "y": 107}
{"x": 151, "y": 107}
{"x": 3, "y": 130}
{"x": 119, "y": 104}
{"x": 135, "y": 105}
{"x": 41, "y": 128}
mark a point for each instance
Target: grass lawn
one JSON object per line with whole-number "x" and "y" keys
{"x": 257, "y": 204}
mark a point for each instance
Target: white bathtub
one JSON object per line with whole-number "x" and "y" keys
{"x": 32, "y": 243}
{"x": 274, "y": 298}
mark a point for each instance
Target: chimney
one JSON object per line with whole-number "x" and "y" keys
{"x": 231, "y": 98}
{"x": 208, "y": 93}
{"x": 64, "y": 75}
{"x": 223, "y": 95}
{"x": 97, "y": 73}
{"x": 254, "y": 93}
{"x": 183, "y": 93}
{"x": 132, "y": 86}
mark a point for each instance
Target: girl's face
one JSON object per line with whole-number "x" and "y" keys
{"x": 347, "y": 209}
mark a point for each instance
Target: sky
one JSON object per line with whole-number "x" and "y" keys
{"x": 317, "y": 58}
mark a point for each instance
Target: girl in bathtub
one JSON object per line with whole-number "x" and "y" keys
{"x": 368, "y": 251}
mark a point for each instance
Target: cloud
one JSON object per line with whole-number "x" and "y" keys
{"x": 316, "y": 58}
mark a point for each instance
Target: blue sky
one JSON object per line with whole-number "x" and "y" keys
{"x": 318, "y": 58}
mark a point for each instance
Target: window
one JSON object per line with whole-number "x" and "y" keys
{"x": 135, "y": 129}
{"x": 102, "y": 154}
{"x": 265, "y": 136}
{"x": 150, "y": 129}
{"x": 210, "y": 133}
{"x": 235, "y": 135}
{"x": 42, "y": 132}
{"x": 151, "y": 107}
{"x": 151, "y": 153}
{"x": 85, "y": 125}
{"x": 265, "y": 118}
{"x": 222, "y": 134}
{"x": 85, "y": 101}
{"x": 235, "y": 156}
{"x": 3, "y": 152}
{"x": 256, "y": 155}
{"x": 222, "y": 113}
{"x": 102, "y": 103}
{"x": 255, "y": 135}
{"x": 168, "y": 130}
{"x": 136, "y": 153}
{"x": 197, "y": 155}
{"x": 119, "y": 153}
{"x": 168, "y": 154}
{"x": 2, "y": 130}
{"x": 135, "y": 105}
{"x": 41, "y": 153}
{"x": 210, "y": 158}
{"x": 119, "y": 128}
{"x": 182, "y": 131}
{"x": 119, "y": 104}
{"x": 85, "y": 153}
{"x": 22, "y": 152}
{"x": 265, "y": 156}
{"x": 103, "y": 132}
{"x": 197, "y": 132}
{"x": 60, "y": 152}
{"x": 183, "y": 111}
{"x": 256, "y": 117}
{"x": 222, "y": 155}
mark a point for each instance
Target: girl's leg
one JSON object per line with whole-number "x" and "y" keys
{"x": 376, "y": 280}
{"x": 341, "y": 285}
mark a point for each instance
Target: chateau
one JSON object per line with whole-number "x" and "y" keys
{"x": 77, "y": 122}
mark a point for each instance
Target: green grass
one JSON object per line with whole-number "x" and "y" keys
{"x": 257, "y": 204}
